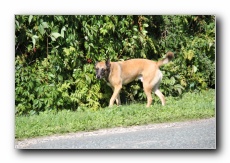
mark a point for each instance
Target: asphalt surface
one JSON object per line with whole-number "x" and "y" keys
{"x": 180, "y": 135}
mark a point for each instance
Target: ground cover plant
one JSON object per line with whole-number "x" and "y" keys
{"x": 189, "y": 106}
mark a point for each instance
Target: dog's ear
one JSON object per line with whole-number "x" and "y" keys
{"x": 107, "y": 63}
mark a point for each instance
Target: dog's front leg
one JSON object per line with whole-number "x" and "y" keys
{"x": 115, "y": 96}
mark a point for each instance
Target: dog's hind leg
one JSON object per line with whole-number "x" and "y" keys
{"x": 118, "y": 99}
{"x": 148, "y": 92}
{"x": 161, "y": 96}
{"x": 156, "y": 84}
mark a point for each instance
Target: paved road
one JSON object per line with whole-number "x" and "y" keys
{"x": 181, "y": 135}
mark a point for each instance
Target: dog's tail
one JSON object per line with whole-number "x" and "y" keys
{"x": 167, "y": 59}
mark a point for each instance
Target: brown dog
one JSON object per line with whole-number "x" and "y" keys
{"x": 120, "y": 73}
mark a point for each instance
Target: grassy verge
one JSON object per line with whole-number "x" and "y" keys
{"x": 190, "y": 106}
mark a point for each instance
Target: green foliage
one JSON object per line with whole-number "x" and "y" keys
{"x": 193, "y": 41}
{"x": 55, "y": 57}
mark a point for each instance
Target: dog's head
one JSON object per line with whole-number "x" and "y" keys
{"x": 102, "y": 69}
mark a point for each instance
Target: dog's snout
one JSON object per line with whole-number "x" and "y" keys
{"x": 98, "y": 76}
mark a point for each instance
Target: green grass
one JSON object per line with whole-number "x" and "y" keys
{"x": 190, "y": 106}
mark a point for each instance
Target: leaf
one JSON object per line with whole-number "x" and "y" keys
{"x": 66, "y": 51}
{"x": 32, "y": 112}
{"x": 53, "y": 38}
{"x": 30, "y": 18}
{"x": 17, "y": 23}
{"x": 103, "y": 31}
{"x": 55, "y": 35}
{"x": 183, "y": 82}
{"x": 135, "y": 28}
{"x": 60, "y": 78}
{"x": 35, "y": 102}
{"x": 144, "y": 32}
{"x": 87, "y": 78}
{"x": 179, "y": 86}
{"x": 192, "y": 85}
{"x": 45, "y": 25}
{"x": 62, "y": 31}
{"x": 172, "y": 80}
{"x": 30, "y": 84}
{"x": 41, "y": 29}
{"x": 34, "y": 38}
{"x": 189, "y": 54}
{"x": 194, "y": 69}
{"x": 29, "y": 47}
{"x": 145, "y": 25}
{"x": 91, "y": 44}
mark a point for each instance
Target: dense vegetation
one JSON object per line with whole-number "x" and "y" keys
{"x": 55, "y": 57}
